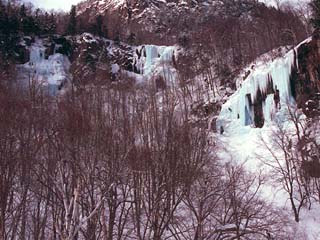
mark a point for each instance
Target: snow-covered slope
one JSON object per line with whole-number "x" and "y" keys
{"x": 138, "y": 5}
{"x": 243, "y": 146}
{"x": 142, "y": 13}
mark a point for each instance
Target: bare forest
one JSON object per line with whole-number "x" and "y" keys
{"x": 111, "y": 158}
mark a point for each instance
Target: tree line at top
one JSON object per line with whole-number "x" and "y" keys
{"x": 18, "y": 19}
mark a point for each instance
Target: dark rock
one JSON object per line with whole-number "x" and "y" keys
{"x": 65, "y": 46}
{"x": 59, "y": 40}
{"x": 258, "y": 109}
{"x": 311, "y": 168}
{"x": 28, "y": 40}
{"x": 305, "y": 79}
{"x": 22, "y": 54}
{"x": 49, "y": 50}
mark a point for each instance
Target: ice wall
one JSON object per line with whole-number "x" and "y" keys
{"x": 50, "y": 72}
{"x": 266, "y": 78}
{"x": 37, "y": 53}
{"x": 151, "y": 53}
{"x": 154, "y": 60}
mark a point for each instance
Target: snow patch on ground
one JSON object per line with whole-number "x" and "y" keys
{"x": 243, "y": 146}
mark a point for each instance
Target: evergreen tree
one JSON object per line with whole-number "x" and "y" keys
{"x": 132, "y": 39}
{"x": 52, "y": 25}
{"x": 99, "y": 25}
{"x": 315, "y": 19}
{"x": 27, "y": 23}
{"x": 117, "y": 39}
{"x": 38, "y": 20}
{"x": 13, "y": 24}
{"x": 22, "y": 12}
{"x": 48, "y": 24}
{"x": 72, "y": 25}
{"x": 3, "y": 18}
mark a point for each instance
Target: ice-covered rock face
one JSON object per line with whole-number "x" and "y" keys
{"x": 152, "y": 61}
{"x": 265, "y": 88}
{"x": 143, "y": 63}
{"x": 51, "y": 72}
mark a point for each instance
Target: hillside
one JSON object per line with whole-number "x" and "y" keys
{"x": 156, "y": 119}
{"x": 273, "y": 149}
{"x": 235, "y": 133}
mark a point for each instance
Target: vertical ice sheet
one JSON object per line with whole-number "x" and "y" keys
{"x": 50, "y": 72}
{"x": 238, "y": 106}
{"x": 151, "y": 55}
{"x": 153, "y": 61}
{"x": 37, "y": 54}
{"x": 269, "y": 108}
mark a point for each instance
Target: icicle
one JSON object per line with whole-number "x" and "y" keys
{"x": 266, "y": 78}
{"x": 151, "y": 54}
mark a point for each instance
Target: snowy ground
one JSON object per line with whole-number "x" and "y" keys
{"x": 242, "y": 145}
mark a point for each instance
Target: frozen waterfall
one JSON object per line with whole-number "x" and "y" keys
{"x": 50, "y": 72}
{"x": 156, "y": 61}
{"x": 265, "y": 89}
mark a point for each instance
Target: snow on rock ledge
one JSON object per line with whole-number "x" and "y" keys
{"x": 263, "y": 90}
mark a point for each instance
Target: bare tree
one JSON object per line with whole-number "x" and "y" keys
{"x": 287, "y": 160}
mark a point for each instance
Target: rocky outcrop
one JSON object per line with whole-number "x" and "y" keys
{"x": 90, "y": 61}
{"x": 305, "y": 78}
{"x": 21, "y": 50}
{"x": 21, "y": 54}
{"x": 149, "y": 16}
{"x": 63, "y": 45}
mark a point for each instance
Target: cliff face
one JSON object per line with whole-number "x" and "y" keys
{"x": 265, "y": 87}
{"x": 165, "y": 19}
{"x": 85, "y": 59}
{"x": 305, "y": 78}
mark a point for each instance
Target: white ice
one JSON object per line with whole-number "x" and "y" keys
{"x": 157, "y": 61}
{"x": 237, "y": 108}
{"x": 48, "y": 72}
